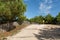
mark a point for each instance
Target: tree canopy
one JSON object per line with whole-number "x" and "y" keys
{"x": 58, "y": 18}
{"x": 11, "y": 9}
{"x": 37, "y": 19}
{"x": 48, "y": 19}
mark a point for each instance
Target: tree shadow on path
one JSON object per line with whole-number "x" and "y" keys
{"x": 50, "y": 34}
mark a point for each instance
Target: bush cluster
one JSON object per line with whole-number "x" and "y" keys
{"x": 48, "y": 19}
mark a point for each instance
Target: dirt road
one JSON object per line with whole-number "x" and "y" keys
{"x": 29, "y": 32}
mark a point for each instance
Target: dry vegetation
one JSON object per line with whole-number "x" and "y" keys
{"x": 12, "y": 32}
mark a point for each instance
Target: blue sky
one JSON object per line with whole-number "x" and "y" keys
{"x": 42, "y": 7}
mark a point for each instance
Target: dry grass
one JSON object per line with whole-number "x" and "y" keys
{"x": 12, "y": 32}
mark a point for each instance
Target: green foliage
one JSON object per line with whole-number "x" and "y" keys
{"x": 49, "y": 19}
{"x": 21, "y": 18}
{"x": 58, "y": 18}
{"x": 37, "y": 19}
{"x": 10, "y": 9}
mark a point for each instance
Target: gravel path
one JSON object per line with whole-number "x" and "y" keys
{"x": 29, "y": 32}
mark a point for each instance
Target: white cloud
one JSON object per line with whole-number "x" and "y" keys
{"x": 49, "y": 7}
{"x": 48, "y": 1}
{"x": 45, "y": 6}
{"x": 42, "y": 6}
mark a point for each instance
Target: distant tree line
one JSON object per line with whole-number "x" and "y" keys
{"x": 48, "y": 19}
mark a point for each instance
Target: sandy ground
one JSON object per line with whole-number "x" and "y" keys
{"x": 29, "y": 32}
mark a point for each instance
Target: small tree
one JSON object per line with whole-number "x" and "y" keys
{"x": 58, "y": 18}
{"x": 49, "y": 19}
{"x": 37, "y": 19}
{"x": 11, "y": 9}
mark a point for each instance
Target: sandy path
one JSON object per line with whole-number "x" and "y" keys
{"x": 27, "y": 33}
